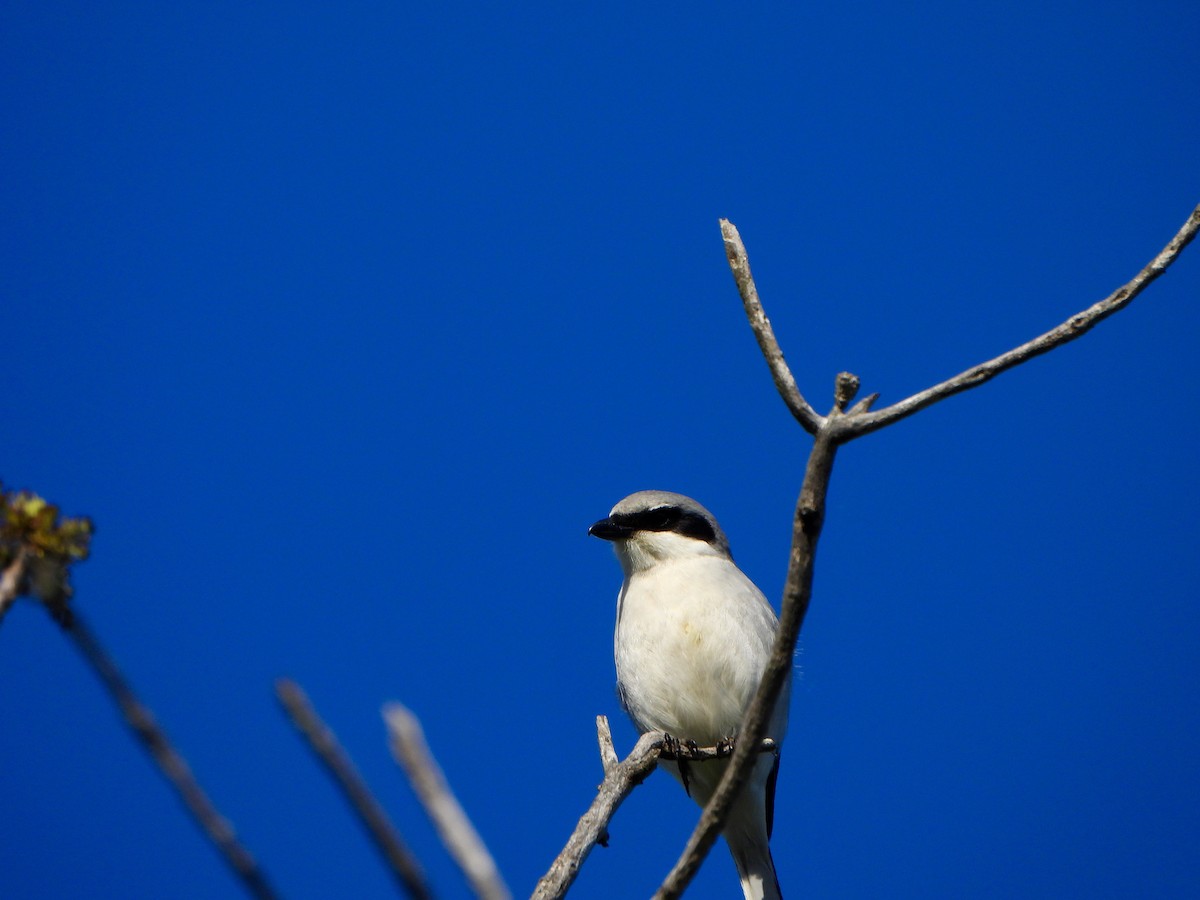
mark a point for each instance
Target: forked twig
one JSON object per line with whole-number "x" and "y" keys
{"x": 324, "y": 744}
{"x": 620, "y": 778}
{"x": 830, "y": 432}
{"x": 456, "y": 831}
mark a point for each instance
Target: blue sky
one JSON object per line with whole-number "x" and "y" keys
{"x": 345, "y": 321}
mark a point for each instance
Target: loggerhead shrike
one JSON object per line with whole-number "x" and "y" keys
{"x": 693, "y": 638}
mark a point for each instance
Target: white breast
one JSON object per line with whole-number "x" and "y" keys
{"x": 693, "y": 637}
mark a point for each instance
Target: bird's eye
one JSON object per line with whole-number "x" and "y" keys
{"x": 660, "y": 519}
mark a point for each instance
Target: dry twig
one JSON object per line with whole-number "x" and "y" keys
{"x": 456, "y": 831}
{"x": 608, "y": 753}
{"x": 1076, "y": 326}
{"x": 620, "y": 778}
{"x": 785, "y": 383}
{"x": 324, "y": 743}
{"x": 829, "y": 433}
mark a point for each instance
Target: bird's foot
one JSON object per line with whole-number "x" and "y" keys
{"x": 673, "y": 749}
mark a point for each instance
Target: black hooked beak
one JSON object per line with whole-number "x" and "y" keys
{"x": 608, "y": 530}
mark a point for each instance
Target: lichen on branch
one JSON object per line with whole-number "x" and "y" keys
{"x": 38, "y": 546}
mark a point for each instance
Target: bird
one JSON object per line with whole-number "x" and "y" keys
{"x": 693, "y": 637}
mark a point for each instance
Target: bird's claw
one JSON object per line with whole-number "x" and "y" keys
{"x": 674, "y": 749}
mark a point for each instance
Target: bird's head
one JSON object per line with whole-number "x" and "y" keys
{"x": 650, "y": 527}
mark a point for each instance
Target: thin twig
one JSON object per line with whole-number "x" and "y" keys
{"x": 608, "y": 753}
{"x": 856, "y": 426}
{"x": 806, "y": 529}
{"x": 619, "y": 781}
{"x": 620, "y": 778}
{"x": 455, "y": 829}
{"x": 739, "y": 264}
{"x": 173, "y": 766}
{"x": 324, "y": 743}
{"x": 10, "y": 581}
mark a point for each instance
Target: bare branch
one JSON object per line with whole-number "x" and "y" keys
{"x": 1077, "y": 325}
{"x": 173, "y": 766}
{"x": 806, "y": 529}
{"x": 10, "y": 581}
{"x": 619, "y": 781}
{"x": 608, "y": 753}
{"x": 456, "y": 831}
{"x": 324, "y": 743}
{"x": 620, "y": 778}
{"x": 830, "y": 433}
{"x": 862, "y": 405}
{"x": 739, "y": 263}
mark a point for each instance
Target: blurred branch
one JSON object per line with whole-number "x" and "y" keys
{"x": 829, "y": 433}
{"x": 38, "y": 547}
{"x": 10, "y": 581}
{"x": 173, "y": 766}
{"x": 620, "y": 778}
{"x": 324, "y": 743}
{"x": 458, "y": 835}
